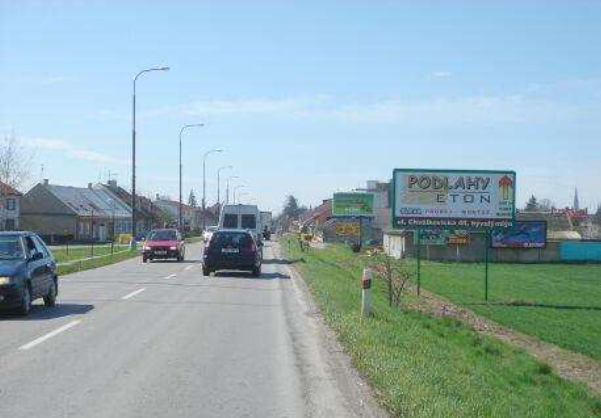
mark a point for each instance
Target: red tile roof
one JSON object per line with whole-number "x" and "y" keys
{"x": 6, "y": 190}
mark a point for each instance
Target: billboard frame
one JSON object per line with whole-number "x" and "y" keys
{"x": 395, "y": 224}
{"x": 354, "y": 215}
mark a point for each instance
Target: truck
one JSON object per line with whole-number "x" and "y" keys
{"x": 242, "y": 217}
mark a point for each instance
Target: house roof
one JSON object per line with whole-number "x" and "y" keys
{"x": 6, "y": 190}
{"x": 85, "y": 201}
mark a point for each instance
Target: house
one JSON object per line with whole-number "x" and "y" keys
{"x": 66, "y": 213}
{"x": 10, "y": 208}
{"x": 148, "y": 215}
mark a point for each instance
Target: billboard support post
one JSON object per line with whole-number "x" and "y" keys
{"x": 486, "y": 264}
{"x": 419, "y": 261}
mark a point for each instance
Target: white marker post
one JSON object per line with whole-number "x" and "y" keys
{"x": 366, "y": 293}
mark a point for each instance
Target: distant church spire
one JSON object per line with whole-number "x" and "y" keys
{"x": 576, "y": 200}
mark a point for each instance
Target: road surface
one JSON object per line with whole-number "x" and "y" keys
{"x": 159, "y": 340}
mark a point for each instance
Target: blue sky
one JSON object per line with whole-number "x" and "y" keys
{"x": 307, "y": 97}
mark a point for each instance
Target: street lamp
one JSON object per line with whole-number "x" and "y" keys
{"x": 204, "y": 185}
{"x": 227, "y": 167}
{"x": 227, "y": 188}
{"x": 133, "y": 154}
{"x": 181, "y": 218}
{"x": 235, "y": 189}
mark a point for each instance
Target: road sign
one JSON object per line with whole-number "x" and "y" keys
{"x": 462, "y": 199}
{"x": 353, "y": 204}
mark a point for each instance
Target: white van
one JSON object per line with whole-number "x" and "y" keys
{"x": 241, "y": 217}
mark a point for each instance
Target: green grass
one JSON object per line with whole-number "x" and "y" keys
{"x": 78, "y": 252}
{"x": 560, "y": 304}
{"x": 430, "y": 367}
{"x": 97, "y": 262}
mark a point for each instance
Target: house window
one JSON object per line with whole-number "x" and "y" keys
{"x": 11, "y": 203}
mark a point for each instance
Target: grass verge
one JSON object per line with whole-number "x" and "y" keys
{"x": 77, "y": 252}
{"x": 421, "y": 366}
{"x": 96, "y": 262}
{"x": 560, "y": 304}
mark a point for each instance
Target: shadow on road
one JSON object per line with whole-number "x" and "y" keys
{"x": 175, "y": 262}
{"x": 238, "y": 274}
{"x": 279, "y": 261}
{"x": 42, "y": 313}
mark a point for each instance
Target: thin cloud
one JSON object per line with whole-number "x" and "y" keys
{"x": 441, "y": 74}
{"x": 52, "y": 144}
{"x": 41, "y": 80}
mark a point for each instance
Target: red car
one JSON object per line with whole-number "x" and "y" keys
{"x": 164, "y": 244}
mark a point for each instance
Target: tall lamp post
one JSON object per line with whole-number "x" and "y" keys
{"x": 180, "y": 214}
{"x": 227, "y": 188}
{"x": 133, "y": 154}
{"x": 235, "y": 189}
{"x": 204, "y": 185}
{"x": 227, "y": 167}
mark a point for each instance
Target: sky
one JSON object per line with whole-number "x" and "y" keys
{"x": 306, "y": 97}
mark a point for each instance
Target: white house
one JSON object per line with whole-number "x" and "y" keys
{"x": 10, "y": 208}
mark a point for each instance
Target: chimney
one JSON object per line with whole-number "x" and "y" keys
{"x": 113, "y": 183}
{"x": 90, "y": 185}
{"x": 46, "y": 182}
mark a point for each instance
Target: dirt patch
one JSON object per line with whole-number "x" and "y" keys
{"x": 567, "y": 364}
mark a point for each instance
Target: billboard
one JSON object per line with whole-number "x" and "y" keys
{"x": 353, "y": 204}
{"x": 462, "y": 199}
{"x": 348, "y": 229}
{"x": 523, "y": 234}
{"x": 439, "y": 236}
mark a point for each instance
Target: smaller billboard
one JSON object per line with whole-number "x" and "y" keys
{"x": 434, "y": 236}
{"x": 523, "y": 234}
{"x": 459, "y": 238}
{"x": 348, "y": 229}
{"x": 353, "y": 204}
{"x": 438, "y": 236}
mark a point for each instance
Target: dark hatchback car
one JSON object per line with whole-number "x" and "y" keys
{"x": 232, "y": 249}
{"x": 164, "y": 244}
{"x": 27, "y": 272}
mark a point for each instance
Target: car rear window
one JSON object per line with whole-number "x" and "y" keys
{"x": 249, "y": 221}
{"x": 166, "y": 235}
{"x": 231, "y": 239}
{"x": 230, "y": 221}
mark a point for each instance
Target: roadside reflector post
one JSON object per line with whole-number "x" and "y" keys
{"x": 366, "y": 282}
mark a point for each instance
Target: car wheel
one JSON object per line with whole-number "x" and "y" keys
{"x": 50, "y": 298}
{"x": 144, "y": 259}
{"x": 257, "y": 272}
{"x": 206, "y": 271}
{"x": 25, "y": 307}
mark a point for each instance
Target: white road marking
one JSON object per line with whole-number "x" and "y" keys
{"x": 132, "y": 294}
{"x": 171, "y": 276}
{"x": 50, "y": 335}
{"x": 189, "y": 268}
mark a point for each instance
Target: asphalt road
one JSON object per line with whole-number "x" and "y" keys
{"x": 159, "y": 340}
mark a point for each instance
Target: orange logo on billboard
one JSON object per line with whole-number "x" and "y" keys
{"x": 506, "y": 187}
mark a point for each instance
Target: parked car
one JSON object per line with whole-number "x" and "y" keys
{"x": 164, "y": 244}
{"x": 27, "y": 272}
{"x": 232, "y": 249}
{"x": 208, "y": 233}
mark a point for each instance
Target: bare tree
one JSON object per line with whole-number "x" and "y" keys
{"x": 16, "y": 162}
{"x": 394, "y": 273}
